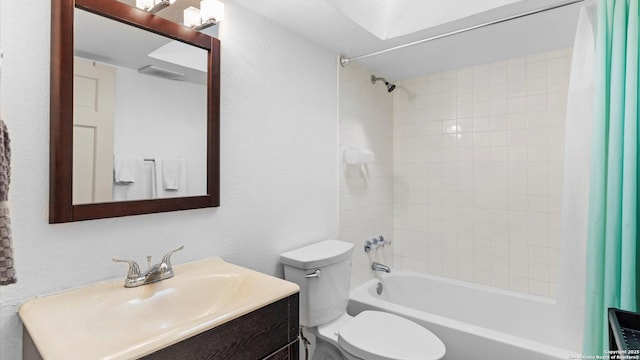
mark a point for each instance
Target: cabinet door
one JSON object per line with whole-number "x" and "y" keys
{"x": 257, "y": 335}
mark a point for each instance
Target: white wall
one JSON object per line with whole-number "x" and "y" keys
{"x": 278, "y": 152}
{"x": 366, "y": 191}
{"x": 478, "y": 160}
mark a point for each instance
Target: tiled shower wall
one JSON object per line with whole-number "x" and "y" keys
{"x": 478, "y": 157}
{"x": 366, "y": 191}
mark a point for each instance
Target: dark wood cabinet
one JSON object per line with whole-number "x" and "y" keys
{"x": 269, "y": 333}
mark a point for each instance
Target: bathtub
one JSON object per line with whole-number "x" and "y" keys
{"x": 474, "y": 321}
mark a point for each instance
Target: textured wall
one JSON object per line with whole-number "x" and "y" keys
{"x": 278, "y": 151}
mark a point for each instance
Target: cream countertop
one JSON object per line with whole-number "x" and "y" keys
{"x": 109, "y": 321}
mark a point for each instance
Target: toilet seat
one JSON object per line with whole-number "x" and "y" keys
{"x": 375, "y": 335}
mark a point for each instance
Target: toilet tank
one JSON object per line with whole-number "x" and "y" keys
{"x": 323, "y": 297}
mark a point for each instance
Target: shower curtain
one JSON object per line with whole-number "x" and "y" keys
{"x": 575, "y": 192}
{"x": 612, "y": 252}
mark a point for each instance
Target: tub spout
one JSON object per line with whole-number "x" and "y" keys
{"x": 376, "y": 266}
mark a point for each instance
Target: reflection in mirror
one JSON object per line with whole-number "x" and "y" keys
{"x": 139, "y": 114}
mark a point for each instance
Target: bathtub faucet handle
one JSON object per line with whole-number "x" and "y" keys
{"x": 382, "y": 241}
{"x": 375, "y": 243}
{"x": 371, "y": 245}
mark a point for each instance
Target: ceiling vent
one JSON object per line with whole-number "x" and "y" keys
{"x": 160, "y": 72}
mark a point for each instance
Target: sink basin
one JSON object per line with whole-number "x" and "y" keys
{"x": 162, "y": 307}
{"x": 109, "y": 321}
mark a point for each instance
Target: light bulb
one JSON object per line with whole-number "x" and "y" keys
{"x": 211, "y": 9}
{"x": 192, "y": 17}
{"x": 145, "y": 4}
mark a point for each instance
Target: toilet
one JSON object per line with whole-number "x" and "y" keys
{"x": 323, "y": 272}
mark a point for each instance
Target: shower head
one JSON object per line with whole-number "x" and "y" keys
{"x": 390, "y": 86}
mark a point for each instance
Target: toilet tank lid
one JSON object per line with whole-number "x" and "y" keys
{"x": 317, "y": 255}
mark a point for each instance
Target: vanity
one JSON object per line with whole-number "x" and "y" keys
{"x": 211, "y": 309}
{"x": 135, "y": 129}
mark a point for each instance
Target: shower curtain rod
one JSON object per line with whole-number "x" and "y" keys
{"x": 344, "y": 61}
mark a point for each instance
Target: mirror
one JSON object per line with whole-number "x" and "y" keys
{"x": 134, "y": 113}
{"x": 139, "y": 113}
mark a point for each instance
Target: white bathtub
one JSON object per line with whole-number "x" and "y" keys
{"x": 473, "y": 321}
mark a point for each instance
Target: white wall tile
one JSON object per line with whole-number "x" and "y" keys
{"x": 537, "y": 287}
{"x": 536, "y": 86}
{"x": 478, "y": 172}
{"x": 481, "y": 123}
{"x": 519, "y": 283}
{"x": 517, "y": 121}
{"x": 498, "y": 90}
{"x": 498, "y": 106}
{"x": 481, "y": 139}
{"x": 516, "y": 72}
{"x": 536, "y": 102}
{"x": 537, "y": 119}
{"x": 517, "y": 105}
{"x": 366, "y": 206}
{"x": 557, "y": 83}
{"x": 558, "y": 66}
{"x": 555, "y": 170}
{"x": 516, "y": 88}
{"x": 537, "y": 69}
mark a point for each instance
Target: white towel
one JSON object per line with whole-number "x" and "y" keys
{"x": 143, "y": 188}
{"x": 171, "y": 174}
{"x": 124, "y": 170}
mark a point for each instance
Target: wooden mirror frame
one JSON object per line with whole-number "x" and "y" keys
{"x": 61, "y": 207}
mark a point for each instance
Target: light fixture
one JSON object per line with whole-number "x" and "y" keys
{"x": 192, "y": 17}
{"x": 211, "y": 12}
{"x": 153, "y": 6}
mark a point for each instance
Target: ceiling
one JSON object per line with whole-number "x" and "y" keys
{"x": 348, "y": 27}
{"x": 356, "y": 27}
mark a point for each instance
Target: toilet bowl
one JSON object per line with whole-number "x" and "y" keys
{"x": 323, "y": 272}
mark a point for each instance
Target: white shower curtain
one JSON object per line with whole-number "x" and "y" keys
{"x": 575, "y": 193}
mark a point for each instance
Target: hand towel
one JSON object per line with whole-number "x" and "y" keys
{"x": 124, "y": 170}
{"x": 7, "y": 271}
{"x": 142, "y": 189}
{"x": 171, "y": 174}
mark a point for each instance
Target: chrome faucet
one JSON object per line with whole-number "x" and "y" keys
{"x": 376, "y": 266}
{"x": 157, "y": 272}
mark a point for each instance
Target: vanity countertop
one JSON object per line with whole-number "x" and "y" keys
{"x": 109, "y": 321}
